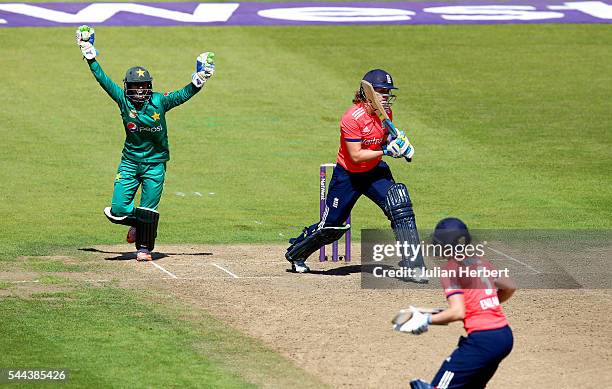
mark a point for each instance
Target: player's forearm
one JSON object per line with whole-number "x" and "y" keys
{"x": 105, "y": 82}
{"x": 505, "y": 288}
{"x": 504, "y": 294}
{"x": 447, "y": 316}
{"x": 99, "y": 74}
{"x": 363, "y": 155}
{"x": 180, "y": 96}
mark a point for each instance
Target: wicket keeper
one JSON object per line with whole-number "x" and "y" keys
{"x": 360, "y": 170}
{"x": 473, "y": 300}
{"x": 146, "y": 150}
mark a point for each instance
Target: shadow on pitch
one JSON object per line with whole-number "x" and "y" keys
{"x": 132, "y": 255}
{"x": 345, "y": 270}
{"x": 339, "y": 271}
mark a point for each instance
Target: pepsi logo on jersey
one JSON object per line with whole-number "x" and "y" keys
{"x": 132, "y": 127}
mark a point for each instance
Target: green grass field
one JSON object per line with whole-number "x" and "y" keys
{"x": 511, "y": 126}
{"x": 108, "y": 337}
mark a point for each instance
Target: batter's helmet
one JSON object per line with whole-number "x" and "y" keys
{"x": 451, "y": 231}
{"x": 379, "y": 79}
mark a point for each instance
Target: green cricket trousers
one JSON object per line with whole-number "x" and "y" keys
{"x": 130, "y": 175}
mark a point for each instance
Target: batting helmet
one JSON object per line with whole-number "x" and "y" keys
{"x": 379, "y": 79}
{"x": 451, "y": 231}
{"x": 138, "y": 84}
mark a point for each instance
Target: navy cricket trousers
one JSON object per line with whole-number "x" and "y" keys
{"x": 475, "y": 359}
{"x": 345, "y": 188}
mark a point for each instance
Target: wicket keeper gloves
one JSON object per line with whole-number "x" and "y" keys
{"x": 85, "y": 36}
{"x": 205, "y": 68}
{"x": 418, "y": 323}
{"x": 399, "y": 147}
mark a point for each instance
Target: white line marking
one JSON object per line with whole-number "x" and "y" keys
{"x": 21, "y": 282}
{"x": 157, "y": 279}
{"x": 515, "y": 260}
{"x": 225, "y": 270}
{"x": 164, "y": 270}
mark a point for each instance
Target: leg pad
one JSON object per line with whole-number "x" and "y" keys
{"x": 128, "y": 220}
{"x": 398, "y": 208}
{"x": 302, "y": 249}
{"x": 146, "y": 228}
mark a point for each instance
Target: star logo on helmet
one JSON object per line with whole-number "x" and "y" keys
{"x": 140, "y": 72}
{"x": 155, "y": 116}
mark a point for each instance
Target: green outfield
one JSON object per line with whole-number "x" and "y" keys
{"x": 107, "y": 337}
{"x": 511, "y": 126}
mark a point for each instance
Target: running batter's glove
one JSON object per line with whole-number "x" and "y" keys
{"x": 85, "y": 36}
{"x": 205, "y": 68}
{"x": 412, "y": 320}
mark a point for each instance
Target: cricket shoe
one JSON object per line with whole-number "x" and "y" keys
{"x": 420, "y": 384}
{"x": 131, "y": 235}
{"x": 143, "y": 255}
{"x": 299, "y": 267}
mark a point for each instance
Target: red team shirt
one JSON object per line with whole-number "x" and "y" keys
{"x": 357, "y": 126}
{"x": 482, "y": 308}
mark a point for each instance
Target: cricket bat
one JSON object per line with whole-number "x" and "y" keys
{"x": 379, "y": 109}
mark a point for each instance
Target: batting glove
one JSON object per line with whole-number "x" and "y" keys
{"x": 412, "y": 320}
{"x": 205, "y": 68}
{"x": 409, "y": 149}
{"x": 398, "y": 147}
{"x": 85, "y": 36}
{"x": 409, "y": 152}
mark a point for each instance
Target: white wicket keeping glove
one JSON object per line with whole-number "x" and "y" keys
{"x": 412, "y": 320}
{"x": 205, "y": 68}
{"x": 85, "y": 36}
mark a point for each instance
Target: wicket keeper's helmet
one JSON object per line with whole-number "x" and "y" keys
{"x": 451, "y": 231}
{"x": 138, "y": 84}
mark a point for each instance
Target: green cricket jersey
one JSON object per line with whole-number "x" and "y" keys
{"x": 146, "y": 133}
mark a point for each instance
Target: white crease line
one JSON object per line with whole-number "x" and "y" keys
{"x": 225, "y": 270}
{"x": 204, "y": 264}
{"x": 225, "y": 278}
{"x": 514, "y": 259}
{"x": 21, "y": 282}
{"x": 164, "y": 270}
{"x": 156, "y": 279}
